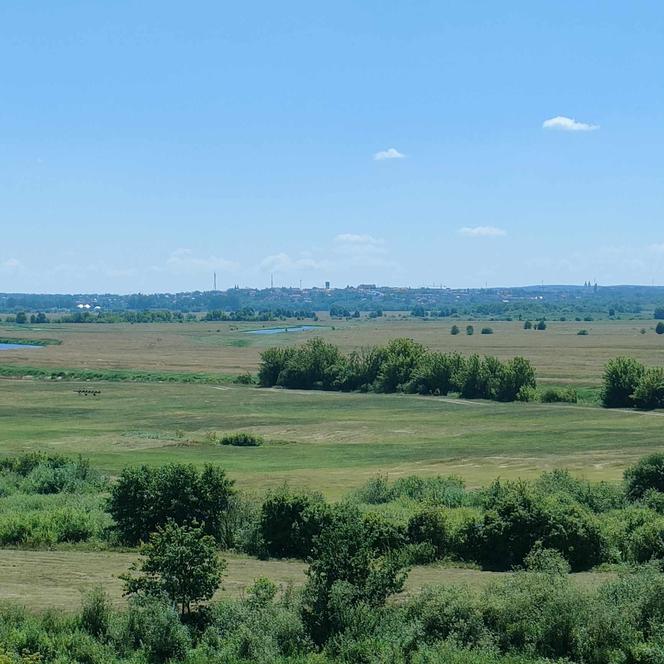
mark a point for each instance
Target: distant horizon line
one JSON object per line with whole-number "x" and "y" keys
{"x": 362, "y": 286}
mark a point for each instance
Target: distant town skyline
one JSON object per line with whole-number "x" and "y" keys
{"x": 146, "y": 146}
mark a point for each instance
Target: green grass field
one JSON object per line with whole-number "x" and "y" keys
{"x": 332, "y": 442}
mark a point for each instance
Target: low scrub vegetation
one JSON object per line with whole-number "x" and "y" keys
{"x": 359, "y": 552}
{"x": 241, "y": 439}
{"x": 401, "y": 366}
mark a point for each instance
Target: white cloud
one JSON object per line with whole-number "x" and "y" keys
{"x": 11, "y": 264}
{"x": 482, "y": 231}
{"x": 563, "y": 123}
{"x": 657, "y": 248}
{"x": 390, "y": 153}
{"x": 355, "y": 239}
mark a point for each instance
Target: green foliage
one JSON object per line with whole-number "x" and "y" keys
{"x": 516, "y": 518}
{"x": 659, "y": 328}
{"x": 470, "y": 330}
{"x": 145, "y": 498}
{"x": 401, "y": 366}
{"x": 454, "y": 330}
{"x": 439, "y": 491}
{"x": 346, "y": 574}
{"x": 541, "y": 325}
{"x": 399, "y": 362}
{"x": 645, "y": 475}
{"x": 434, "y": 373}
{"x": 290, "y": 521}
{"x": 96, "y": 613}
{"x": 649, "y": 392}
{"x": 242, "y": 439}
{"x": 180, "y": 562}
{"x": 486, "y": 330}
{"x": 430, "y": 527}
{"x": 36, "y": 472}
{"x": 559, "y": 395}
{"x": 620, "y": 379}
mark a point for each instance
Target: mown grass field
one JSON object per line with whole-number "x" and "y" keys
{"x": 325, "y": 440}
{"x": 58, "y": 579}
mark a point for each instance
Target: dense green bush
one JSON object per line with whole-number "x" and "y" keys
{"x": 649, "y": 391}
{"x": 517, "y": 518}
{"x": 430, "y": 527}
{"x": 290, "y": 521}
{"x": 621, "y": 377}
{"x": 37, "y": 472}
{"x": 242, "y": 439}
{"x": 646, "y": 474}
{"x": 558, "y": 395}
{"x": 144, "y": 498}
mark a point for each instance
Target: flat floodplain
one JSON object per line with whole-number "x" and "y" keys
{"x": 326, "y": 440}
{"x": 558, "y": 353}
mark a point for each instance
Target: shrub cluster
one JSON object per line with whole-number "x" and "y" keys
{"x": 36, "y": 472}
{"x": 241, "y": 439}
{"x": 401, "y": 366}
{"x": 628, "y": 383}
{"x": 145, "y": 498}
{"x": 558, "y": 395}
{"x": 538, "y": 616}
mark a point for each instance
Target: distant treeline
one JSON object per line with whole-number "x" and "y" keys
{"x": 401, "y": 366}
{"x": 247, "y": 314}
{"x": 533, "y": 302}
{"x": 250, "y": 314}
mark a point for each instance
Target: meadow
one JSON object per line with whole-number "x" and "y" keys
{"x": 328, "y": 441}
{"x": 559, "y": 354}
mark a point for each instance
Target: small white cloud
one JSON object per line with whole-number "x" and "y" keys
{"x": 353, "y": 238}
{"x": 482, "y": 231}
{"x": 390, "y": 153}
{"x": 11, "y": 264}
{"x": 563, "y": 123}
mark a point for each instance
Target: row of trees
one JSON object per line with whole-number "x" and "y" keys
{"x": 401, "y": 366}
{"x": 628, "y": 383}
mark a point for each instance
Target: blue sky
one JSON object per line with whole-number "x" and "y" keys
{"x": 144, "y": 145}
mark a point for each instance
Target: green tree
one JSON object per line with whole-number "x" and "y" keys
{"x": 527, "y": 325}
{"x": 347, "y": 572}
{"x": 145, "y": 498}
{"x": 454, "y": 330}
{"x": 401, "y": 358}
{"x": 659, "y": 328}
{"x": 647, "y": 473}
{"x": 470, "y": 330}
{"x": 649, "y": 392}
{"x": 21, "y": 318}
{"x": 541, "y": 325}
{"x": 180, "y": 562}
{"x": 621, "y": 376}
